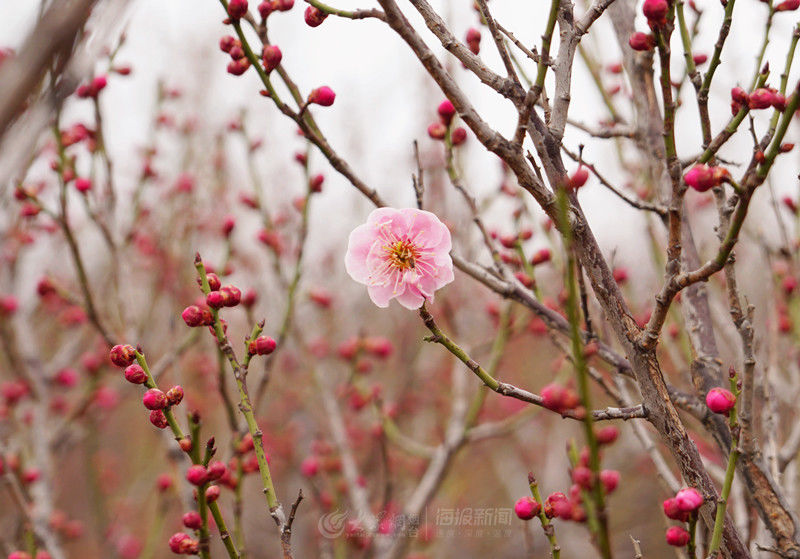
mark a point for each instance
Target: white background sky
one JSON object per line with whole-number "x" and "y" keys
{"x": 383, "y": 100}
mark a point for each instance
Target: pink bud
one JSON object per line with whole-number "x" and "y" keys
{"x": 446, "y": 111}
{"x": 609, "y": 479}
{"x": 212, "y": 493}
{"x": 700, "y": 177}
{"x": 227, "y": 43}
{"x": 192, "y": 520}
{"x": 641, "y": 41}
{"x": 83, "y": 184}
{"x": 231, "y": 295}
{"x": 558, "y": 506}
{"x": 216, "y": 469}
{"x": 314, "y": 16}
{"x": 135, "y": 374}
{"x": 688, "y": 499}
{"x": 699, "y": 59}
{"x": 673, "y": 511}
{"x": 473, "y": 40}
{"x": 238, "y": 67}
{"x": 175, "y": 395}
{"x": 323, "y": 96}
{"x": 197, "y": 474}
{"x": 761, "y": 98}
{"x": 154, "y": 399}
{"x": 158, "y": 419}
{"x": 740, "y": 96}
{"x": 122, "y": 355}
{"x": 582, "y": 476}
{"x": 656, "y": 12}
{"x": 271, "y": 56}
{"x": 437, "y": 131}
{"x": 315, "y": 184}
{"x": 215, "y": 300}
{"x": 607, "y": 434}
{"x": 677, "y": 536}
{"x": 182, "y": 544}
{"x": 164, "y": 482}
{"x": 237, "y": 9}
{"x": 526, "y": 508}
{"x": 459, "y": 136}
{"x": 262, "y": 345}
{"x": 720, "y": 400}
{"x": 578, "y": 178}
{"x": 310, "y": 466}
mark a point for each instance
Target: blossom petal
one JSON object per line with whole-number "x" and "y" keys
{"x": 425, "y": 230}
{"x": 411, "y": 298}
{"x": 381, "y": 294}
{"x": 355, "y": 261}
{"x": 389, "y": 223}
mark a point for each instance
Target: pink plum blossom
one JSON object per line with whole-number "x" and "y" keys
{"x": 403, "y": 254}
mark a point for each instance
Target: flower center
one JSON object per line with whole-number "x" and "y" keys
{"x": 402, "y": 254}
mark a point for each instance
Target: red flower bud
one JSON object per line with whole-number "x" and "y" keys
{"x": 688, "y": 499}
{"x": 720, "y": 400}
{"x": 642, "y": 41}
{"x": 158, "y": 419}
{"x": 122, "y": 355}
{"x": 212, "y": 493}
{"x": 787, "y": 6}
{"x": 262, "y": 345}
{"x": 237, "y": 9}
{"x": 154, "y": 399}
{"x": 656, "y": 12}
{"x": 271, "y": 56}
{"x": 197, "y": 474}
{"x": 446, "y": 111}
{"x": 437, "y": 131}
{"x": 135, "y": 374}
{"x": 609, "y": 479}
{"x": 459, "y": 136}
{"x": 578, "y": 178}
{"x": 677, "y": 536}
{"x": 183, "y": 544}
{"x": 192, "y": 520}
{"x": 526, "y": 508}
{"x": 323, "y": 96}
{"x": 175, "y": 395}
{"x": 314, "y": 16}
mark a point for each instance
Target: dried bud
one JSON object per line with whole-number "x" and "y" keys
{"x": 158, "y": 419}
{"x": 122, "y": 355}
{"x": 175, "y": 395}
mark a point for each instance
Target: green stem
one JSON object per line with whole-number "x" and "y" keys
{"x": 547, "y": 527}
{"x": 597, "y": 512}
{"x": 223, "y": 530}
